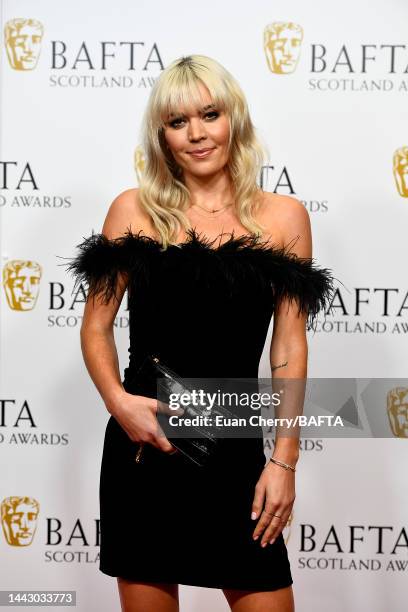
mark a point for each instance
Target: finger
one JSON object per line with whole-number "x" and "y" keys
{"x": 171, "y": 451}
{"x": 272, "y": 531}
{"x": 279, "y": 528}
{"x": 258, "y": 501}
{"x": 163, "y": 445}
{"x": 165, "y": 408}
{"x": 152, "y": 404}
{"x": 265, "y": 520}
{"x": 161, "y": 440}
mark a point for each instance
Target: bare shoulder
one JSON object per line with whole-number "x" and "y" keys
{"x": 285, "y": 219}
{"x": 125, "y": 212}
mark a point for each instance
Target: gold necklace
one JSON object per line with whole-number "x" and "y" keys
{"x": 215, "y": 210}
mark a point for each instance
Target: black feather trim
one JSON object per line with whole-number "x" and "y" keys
{"x": 292, "y": 277}
{"x": 99, "y": 260}
{"x": 299, "y": 279}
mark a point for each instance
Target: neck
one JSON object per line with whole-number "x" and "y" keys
{"x": 210, "y": 192}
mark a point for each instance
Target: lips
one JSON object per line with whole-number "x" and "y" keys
{"x": 200, "y": 152}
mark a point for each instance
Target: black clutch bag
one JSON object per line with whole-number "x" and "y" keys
{"x": 155, "y": 379}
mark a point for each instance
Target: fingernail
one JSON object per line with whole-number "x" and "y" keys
{"x": 256, "y": 537}
{"x": 264, "y": 544}
{"x": 253, "y": 516}
{"x": 272, "y": 541}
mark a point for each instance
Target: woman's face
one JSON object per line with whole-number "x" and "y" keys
{"x": 198, "y": 138}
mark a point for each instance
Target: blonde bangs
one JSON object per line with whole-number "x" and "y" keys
{"x": 180, "y": 92}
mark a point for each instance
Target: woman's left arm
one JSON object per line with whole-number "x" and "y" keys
{"x": 275, "y": 490}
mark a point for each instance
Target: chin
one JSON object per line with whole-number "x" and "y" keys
{"x": 205, "y": 171}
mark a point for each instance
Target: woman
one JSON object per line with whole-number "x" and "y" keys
{"x": 204, "y": 255}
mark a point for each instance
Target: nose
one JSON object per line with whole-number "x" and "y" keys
{"x": 196, "y": 130}
{"x": 26, "y": 286}
{"x": 28, "y": 44}
{"x": 287, "y": 48}
{"x": 24, "y": 523}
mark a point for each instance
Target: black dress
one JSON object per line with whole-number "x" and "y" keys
{"x": 204, "y": 307}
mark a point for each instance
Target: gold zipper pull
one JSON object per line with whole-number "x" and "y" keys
{"x": 139, "y": 453}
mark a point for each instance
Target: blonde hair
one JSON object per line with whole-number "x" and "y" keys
{"x": 162, "y": 191}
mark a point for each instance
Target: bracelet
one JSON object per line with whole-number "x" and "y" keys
{"x": 282, "y": 464}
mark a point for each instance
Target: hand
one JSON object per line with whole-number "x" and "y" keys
{"x": 276, "y": 489}
{"x": 136, "y": 414}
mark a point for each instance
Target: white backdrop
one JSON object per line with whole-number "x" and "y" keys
{"x": 69, "y": 129}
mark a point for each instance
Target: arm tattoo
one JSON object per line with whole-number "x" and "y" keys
{"x": 279, "y": 366}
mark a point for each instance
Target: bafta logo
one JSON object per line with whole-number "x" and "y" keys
{"x": 282, "y": 44}
{"x": 21, "y": 282}
{"x": 400, "y": 168}
{"x": 139, "y": 162}
{"x": 19, "y": 519}
{"x": 22, "y": 38}
{"x": 397, "y": 409}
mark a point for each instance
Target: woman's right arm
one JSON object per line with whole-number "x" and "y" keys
{"x": 135, "y": 413}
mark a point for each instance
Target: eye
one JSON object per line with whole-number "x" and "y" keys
{"x": 175, "y": 122}
{"x": 211, "y": 115}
